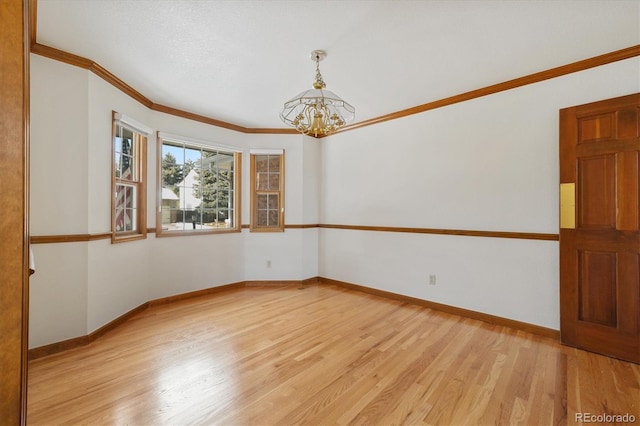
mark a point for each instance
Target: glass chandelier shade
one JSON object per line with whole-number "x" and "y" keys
{"x": 317, "y": 112}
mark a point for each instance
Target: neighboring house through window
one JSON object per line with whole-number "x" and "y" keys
{"x": 199, "y": 187}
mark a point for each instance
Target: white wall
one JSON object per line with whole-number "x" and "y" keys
{"x": 58, "y": 293}
{"x": 117, "y": 275}
{"x": 486, "y": 164}
{"x": 59, "y": 188}
{"x": 292, "y": 255}
{"x": 59, "y": 150}
{"x": 311, "y": 205}
{"x": 79, "y": 287}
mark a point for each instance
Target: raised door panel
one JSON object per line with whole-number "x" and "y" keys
{"x": 596, "y": 192}
{"x": 597, "y": 288}
{"x": 627, "y": 191}
{"x": 597, "y": 128}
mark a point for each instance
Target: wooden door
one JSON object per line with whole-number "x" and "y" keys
{"x": 14, "y": 171}
{"x": 599, "y": 229}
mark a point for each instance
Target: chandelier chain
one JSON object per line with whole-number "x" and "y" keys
{"x": 319, "y": 84}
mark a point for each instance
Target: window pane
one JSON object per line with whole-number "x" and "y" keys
{"x": 196, "y": 218}
{"x": 224, "y": 161}
{"x": 262, "y": 181}
{"x": 125, "y": 208}
{"x": 205, "y": 183}
{"x": 172, "y": 154}
{"x": 130, "y": 197}
{"x": 262, "y": 163}
{"x": 207, "y": 197}
{"x": 193, "y": 219}
{"x": 262, "y": 218}
{"x": 120, "y": 195}
{"x": 173, "y": 175}
{"x": 119, "y": 219}
{"x": 230, "y": 222}
{"x": 222, "y": 199}
{"x": 273, "y": 202}
{"x": 225, "y": 178}
{"x": 116, "y": 165}
{"x": 273, "y": 218}
{"x": 127, "y": 134}
{"x": 189, "y": 198}
{"x": 223, "y": 216}
{"x": 209, "y": 159}
{"x": 117, "y": 144}
{"x": 209, "y": 218}
{"x": 169, "y": 215}
{"x": 127, "y": 165}
{"x": 125, "y": 220}
{"x": 193, "y": 155}
{"x": 274, "y": 163}
{"x": 274, "y": 181}
{"x": 262, "y": 201}
{"x": 227, "y": 175}
{"x": 130, "y": 219}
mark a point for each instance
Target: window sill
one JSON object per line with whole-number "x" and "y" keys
{"x": 161, "y": 234}
{"x": 124, "y": 238}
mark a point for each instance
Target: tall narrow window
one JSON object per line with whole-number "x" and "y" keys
{"x": 199, "y": 187}
{"x": 128, "y": 200}
{"x": 267, "y": 191}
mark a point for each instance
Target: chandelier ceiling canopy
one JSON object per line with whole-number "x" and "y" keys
{"x": 317, "y": 112}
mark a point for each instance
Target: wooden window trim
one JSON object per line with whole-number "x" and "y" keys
{"x": 237, "y": 178}
{"x": 140, "y": 155}
{"x": 253, "y": 223}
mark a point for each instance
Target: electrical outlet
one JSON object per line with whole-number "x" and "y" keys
{"x": 432, "y": 280}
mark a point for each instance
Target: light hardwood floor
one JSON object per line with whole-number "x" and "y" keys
{"x": 322, "y": 354}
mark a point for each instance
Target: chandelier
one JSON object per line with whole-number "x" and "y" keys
{"x": 317, "y": 112}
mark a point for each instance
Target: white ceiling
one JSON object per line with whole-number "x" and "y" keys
{"x": 239, "y": 61}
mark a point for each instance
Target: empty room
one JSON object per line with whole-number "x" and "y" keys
{"x": 320, "y": 212}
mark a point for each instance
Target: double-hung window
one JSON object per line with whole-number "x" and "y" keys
{"x": 267, "y": 190}
{"x": 128, "y": 180}
{"x": 199, "y": 187}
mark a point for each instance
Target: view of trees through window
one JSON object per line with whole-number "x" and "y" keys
{"x": 198, "y": 187}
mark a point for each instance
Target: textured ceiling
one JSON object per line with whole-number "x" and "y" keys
{"x": 239, "y": 61}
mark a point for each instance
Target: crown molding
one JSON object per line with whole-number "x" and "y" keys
{"x": 109, "y": 77}
{"x": 537, "y": 77}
